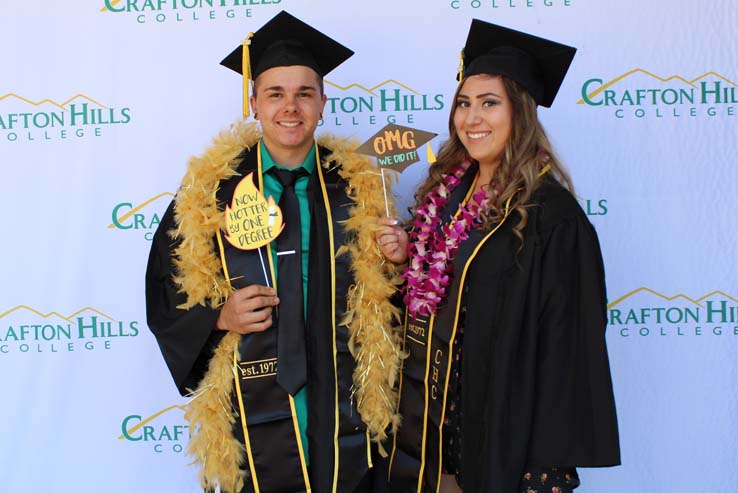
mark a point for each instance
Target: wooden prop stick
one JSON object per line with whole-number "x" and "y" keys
{"x": 384, "y": 189}
{"x": 263, "y": 268}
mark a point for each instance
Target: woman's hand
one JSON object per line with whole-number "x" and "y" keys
{"x": 392, "y": 240}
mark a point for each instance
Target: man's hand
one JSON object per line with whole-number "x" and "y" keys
{"x": 392, "y": 240}
{"x": 248, "y": 310}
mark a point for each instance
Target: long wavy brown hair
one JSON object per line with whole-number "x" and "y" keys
{"x": 517, "y": 175}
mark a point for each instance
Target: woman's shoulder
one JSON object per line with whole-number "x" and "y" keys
{"x": 553, "y": 204}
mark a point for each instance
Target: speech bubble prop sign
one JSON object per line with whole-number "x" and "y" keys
{"x": 395, "y": 146}
{"x": 251, "y": 220}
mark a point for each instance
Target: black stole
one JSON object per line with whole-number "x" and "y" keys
{"x": 266, "y": 422}
{"x": 416, "y": 453}
{"x": 271, "y": 436}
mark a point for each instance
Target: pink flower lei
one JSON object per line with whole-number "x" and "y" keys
{"x": 432, "y": 247}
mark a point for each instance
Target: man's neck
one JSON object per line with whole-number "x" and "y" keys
{"x": 288, "y": 158}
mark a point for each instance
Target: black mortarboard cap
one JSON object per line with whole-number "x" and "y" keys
{"x": 537, "y": 64}
{"x": 282, "y": 42}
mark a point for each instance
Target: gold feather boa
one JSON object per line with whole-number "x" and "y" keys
{"x": 371, "y": 318}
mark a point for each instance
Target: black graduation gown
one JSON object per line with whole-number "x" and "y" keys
{"x": 187, "y": 338}
{"x": 535, "y": 379}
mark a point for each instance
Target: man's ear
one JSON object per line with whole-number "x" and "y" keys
{"x": 252, "y": 102}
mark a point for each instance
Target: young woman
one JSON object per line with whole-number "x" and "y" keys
{"x": 506, "y": 387}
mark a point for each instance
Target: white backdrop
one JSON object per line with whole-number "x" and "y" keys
{"x": 100, "y": 107}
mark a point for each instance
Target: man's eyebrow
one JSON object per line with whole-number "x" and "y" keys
{"x": 301, "y": 88}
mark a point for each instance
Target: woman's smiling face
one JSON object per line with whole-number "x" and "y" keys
{"x": 483, "y": 118}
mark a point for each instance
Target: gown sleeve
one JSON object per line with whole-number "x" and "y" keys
{"x": 186, "y": 337}
{"x": 574, "y": 419}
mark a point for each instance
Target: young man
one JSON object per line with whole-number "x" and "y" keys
{"x": 267, "y": 340}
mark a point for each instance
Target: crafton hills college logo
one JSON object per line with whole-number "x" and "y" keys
{"x": 24, "y": 329}
{"x": 645, "y": 312}
{"x": 163, "y": 11}
{"x": 387, "y": 102}
{"x": 143, "y": 218}
{"x": 642, "y": 94}
{"x": 164, "y": 431}
{"x": 25, "y": 120}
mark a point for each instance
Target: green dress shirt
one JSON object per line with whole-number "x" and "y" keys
{"x": 273, "y": 188}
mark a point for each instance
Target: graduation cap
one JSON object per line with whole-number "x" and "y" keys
{"x": 396, "y": 147}
{"x": 284, "y": 41}
{"x": 538, "y": 64}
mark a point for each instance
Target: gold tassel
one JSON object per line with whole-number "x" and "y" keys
{"x": 246, "y": 71}
{"x": 430, "y": 155}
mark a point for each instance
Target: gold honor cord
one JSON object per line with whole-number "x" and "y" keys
{"x": 298, "y": 435}
{"x": 404, "y": 344}
{"x": 453, "y": 332}
{"x": 239, "y": 394}
{"x": 246, "y": 71}
{"x": 543, "y": 171}
{"x": 425, "y": 408}
{"x": 242, "y": 408}
{"x": 468, "y": 196}
{"x": 236, "y": 382}
{"x": 474, "y": 253}
{"x": 331, "y": 244}
{"x": 399, "y": 392}
{"x": 223, "y": 260}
